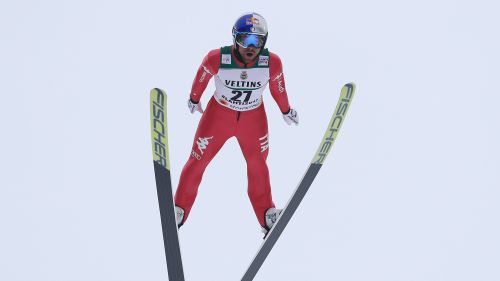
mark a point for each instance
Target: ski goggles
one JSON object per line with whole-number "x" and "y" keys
{"x": 246, "y": 40}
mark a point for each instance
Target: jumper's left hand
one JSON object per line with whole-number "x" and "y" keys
{"x": 292, "y": 116}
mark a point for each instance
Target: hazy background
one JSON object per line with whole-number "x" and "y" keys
{"x": 410, "y": 191}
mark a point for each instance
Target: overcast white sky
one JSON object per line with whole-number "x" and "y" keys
{"x": 409, "y": 192}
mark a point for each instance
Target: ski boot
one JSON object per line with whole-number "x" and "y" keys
{"x": 271, "y": 216}
{"x": 179, "y": 216}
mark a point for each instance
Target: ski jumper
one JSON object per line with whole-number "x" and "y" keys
{"x": 236, "y": 109}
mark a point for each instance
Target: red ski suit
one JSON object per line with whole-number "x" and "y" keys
{"x": 218, "y": 123}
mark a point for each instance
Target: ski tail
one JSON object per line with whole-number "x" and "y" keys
{"x": 324, "y": 149}
{"x": 159, "y": 140}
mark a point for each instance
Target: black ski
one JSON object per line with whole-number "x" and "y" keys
{"x": 339, "y": 114}
{"x": 159, "y": 138}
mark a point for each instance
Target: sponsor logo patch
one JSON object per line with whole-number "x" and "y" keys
{"x": 195, "y": 155}
{"x": 243, "y": 84}
{"x": 264, "y": 143}
{"x": 244, "y": 75}
{"x": 252, "y": 21}
{"x": 226, "y": 59}
{"x": 202, "y": 77}
{"x": 279, "y": 78}
{"x": 159, "y": 132}
{"x": 263, "y": 60}
{"x": 203, "y": 143}
{"x": 335, "y": 124}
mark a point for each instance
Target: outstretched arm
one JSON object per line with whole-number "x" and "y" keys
{"x": 278, "y": 89}
{"x": 277, "y": 82}
{"x": 208, "y": 68}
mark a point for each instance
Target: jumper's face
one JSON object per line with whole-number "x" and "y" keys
{"x": 249, "y": 54}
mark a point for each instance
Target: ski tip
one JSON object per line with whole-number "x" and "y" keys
{"x": 157, "y": 90}
{"x": 159, "y": 137}
{"x": 351, "y": 85}
{"x": 348, "y": 89}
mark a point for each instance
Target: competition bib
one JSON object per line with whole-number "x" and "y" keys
{"x": 241, "y": 88}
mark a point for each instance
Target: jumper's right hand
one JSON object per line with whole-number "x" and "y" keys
{"x": 194, "y": 106}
